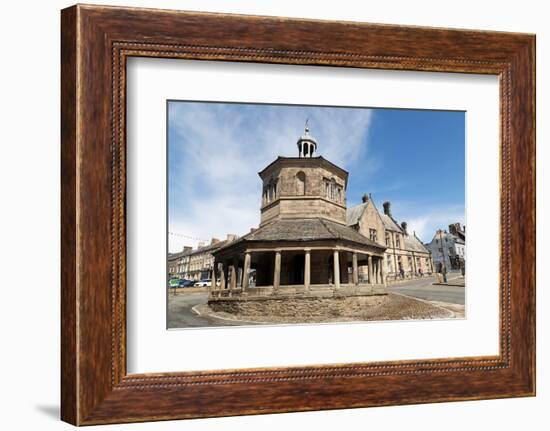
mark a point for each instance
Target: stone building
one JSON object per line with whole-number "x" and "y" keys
{"x": 303, "y": 245}
{"x": 178, "y": 263}
{"x": 405, "y": 255}
{"x": 449, "y": 248}
{"x": 196, "y": 264}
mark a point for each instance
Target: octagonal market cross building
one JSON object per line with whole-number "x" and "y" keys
{"x": 303, "y": 246}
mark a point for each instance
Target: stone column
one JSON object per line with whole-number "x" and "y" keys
{"x": 371, "y": 272}
{"x": 355, "y": 272}
{"x": 222, "y": 278}
{"x": 277, "y": 271}
{"x": 246, "y": 272}
{"x": 213, "y": 279}
{"x": 307, "y": 269}
{"x": 382, "y": 272}
{"x": 233, "y": 276}
{"x": 336, "y": 259}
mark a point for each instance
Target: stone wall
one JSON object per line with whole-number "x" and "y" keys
{"x": 371, "y": 220}
{"x": 297, "y": 198}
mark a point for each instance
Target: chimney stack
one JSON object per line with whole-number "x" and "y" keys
{"x": 187, "y": 248}
{"x": 387, "y": 208}
{"x": 455, "y": 228}
{"x": 404, "y": 227}
{"x": 365, "y": 198}
{"x": 231, "y": 237}
{"x": 214, "y": 241}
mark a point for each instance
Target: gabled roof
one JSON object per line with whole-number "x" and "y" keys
{"x": 412, "y": 243}
{"x": 354, "y": 214}
{"x": 390, "y": 223}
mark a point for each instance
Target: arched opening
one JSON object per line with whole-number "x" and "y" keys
{"x": 333, "y": 190}
{"x": 300, "y": 183}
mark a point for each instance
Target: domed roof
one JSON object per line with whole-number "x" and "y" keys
{"x": 306, "y": 136}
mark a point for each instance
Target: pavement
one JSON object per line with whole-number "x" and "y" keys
{"x": 423, "y": 288}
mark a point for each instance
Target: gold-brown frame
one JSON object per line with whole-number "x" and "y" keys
{"x": 96, "y": 41}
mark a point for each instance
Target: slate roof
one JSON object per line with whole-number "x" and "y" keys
{"x": 177, "y": 255}
{"x": 353, "y": 214}
{"x": 320, "y": 159}
{"x": 450, "y": 237}
{"x": 209, "y": 247}
{"x": 303, "y": 230}
{"x": 390, "y": 223}
{"x": 205, "y": 249}
{"x": 412, "y": 243}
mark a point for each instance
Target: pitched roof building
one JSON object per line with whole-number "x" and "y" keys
{"x": 405, "y": 255}
{"x": 449, "y": 248}
{"x": 196, "y": 264}
{"x": 303, "y": 245}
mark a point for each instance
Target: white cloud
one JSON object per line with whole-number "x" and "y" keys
{"x": 425, "y": 219}
{"x": 222, "y": 147}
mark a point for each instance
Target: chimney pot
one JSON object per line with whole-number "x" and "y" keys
{"x": 387, "y": 208}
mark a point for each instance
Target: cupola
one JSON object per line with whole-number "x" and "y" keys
{"x": 307, "y": 145}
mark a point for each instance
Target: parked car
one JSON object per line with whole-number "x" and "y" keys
{"x": 203, "y": 283}
{"x": 186, "y": 283}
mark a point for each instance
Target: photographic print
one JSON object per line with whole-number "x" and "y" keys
{"x": 294, "y": 214}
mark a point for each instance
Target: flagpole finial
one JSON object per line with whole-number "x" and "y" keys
{"x": 307, "y": 146}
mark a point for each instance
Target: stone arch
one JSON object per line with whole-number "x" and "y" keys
{"x": 301, "y": 183}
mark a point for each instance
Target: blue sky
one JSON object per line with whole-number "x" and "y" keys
{"x": 413, "y": 158}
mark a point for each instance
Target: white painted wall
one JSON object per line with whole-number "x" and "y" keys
{"x": 29, "y": 220}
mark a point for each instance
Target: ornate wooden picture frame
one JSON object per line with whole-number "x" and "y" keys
{"x": 96, "y": 42}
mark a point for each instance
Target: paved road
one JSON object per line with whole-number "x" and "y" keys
{"x": 180, "y": 314}
{"x": 423, "y": 289}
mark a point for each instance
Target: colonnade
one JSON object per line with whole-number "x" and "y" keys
{"x": 233, "y": 276}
